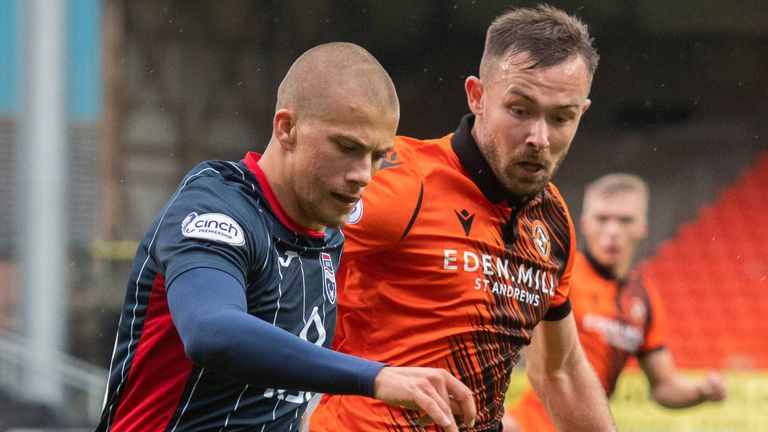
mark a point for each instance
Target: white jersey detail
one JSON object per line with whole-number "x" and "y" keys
{"x": 213, "y": 226}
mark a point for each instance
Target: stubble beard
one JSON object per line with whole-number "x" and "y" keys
{"x": 520, "y": 189}
{"x": 322, "y": 215}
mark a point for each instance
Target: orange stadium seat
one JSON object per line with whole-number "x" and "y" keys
{"x": 718, "y": 302}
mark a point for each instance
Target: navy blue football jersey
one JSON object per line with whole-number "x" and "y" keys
{"x": 224, "y": 216}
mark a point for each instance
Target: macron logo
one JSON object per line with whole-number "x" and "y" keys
{"x": 213, "y": 226}
{"x": 465, "y": 219}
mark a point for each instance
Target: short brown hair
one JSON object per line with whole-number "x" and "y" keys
{"x": 549, "y": 35}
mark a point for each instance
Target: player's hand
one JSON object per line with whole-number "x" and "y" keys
{"x": 509, "y": 423}
{"x": 434, "y": 391}
{"x": 712, "y": 387}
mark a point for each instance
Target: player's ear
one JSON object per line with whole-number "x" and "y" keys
{"x": 644, "y": 230}
{"x": 474, "y": 88}
{"x": 284, "y": 124}
{"x": 587, "y": 104}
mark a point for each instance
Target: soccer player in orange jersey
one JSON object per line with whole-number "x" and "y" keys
{"x": 461, "y": 249}
{"x": 617, "y": 309}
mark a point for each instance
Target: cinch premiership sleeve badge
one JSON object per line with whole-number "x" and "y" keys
{"x": 213, "y": 226}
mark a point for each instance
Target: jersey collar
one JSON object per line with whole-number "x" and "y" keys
{"x": 465, "y": 147}
{"x": 251, "y": 161}
{"x": 600, "y": 269}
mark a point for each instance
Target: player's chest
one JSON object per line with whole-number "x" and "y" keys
{"x": 474, "y": 251}
{"x": 294, "y": 277}
{"x": 616, "y": 317}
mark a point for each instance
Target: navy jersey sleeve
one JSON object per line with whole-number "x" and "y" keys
{"x": 209, "y": 223}
{"x": 209, "y": 310}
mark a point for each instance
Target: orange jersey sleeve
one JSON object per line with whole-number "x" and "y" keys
{"x": 529, "y": 413}
{"x": 388, "y": 206}
{"x": 563, "y": 288}
{"x": 656, "y": 328}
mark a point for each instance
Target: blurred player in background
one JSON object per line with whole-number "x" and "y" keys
{"x": 461, "y": 246}
{"x": 617, "y": 309}
{"x": 232, "y": 298}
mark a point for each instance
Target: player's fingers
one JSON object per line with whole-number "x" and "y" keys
{"x": 716, "y": 386}
{"x": 713, "y": 388}
{"x": 425, "y": 420}
{"x": 437, "y": 409}
{"x": 462, "y": 401}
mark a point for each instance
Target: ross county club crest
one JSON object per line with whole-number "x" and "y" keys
{"x": 329, "y": 277}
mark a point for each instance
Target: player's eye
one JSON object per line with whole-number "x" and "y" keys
{"x": 345, "y": 148}
{"x": 562, "y": 117}
{"x": 518, "y": 111}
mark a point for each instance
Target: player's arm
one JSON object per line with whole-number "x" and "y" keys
{"x": 209, "y": 310}
{"x": 564, "y": 380}
{"x": 671, "y": 390}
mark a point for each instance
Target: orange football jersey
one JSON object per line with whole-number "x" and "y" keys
{"x": 616, "y": 319}
{"x": 441, "y": 268}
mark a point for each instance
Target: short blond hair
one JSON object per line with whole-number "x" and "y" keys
{"x": 335, "y": 68}
{"x": 617, "y": 183}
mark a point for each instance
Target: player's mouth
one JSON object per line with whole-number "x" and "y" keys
{"x": 533, "y": 169}
{"x": 347, "y": 200}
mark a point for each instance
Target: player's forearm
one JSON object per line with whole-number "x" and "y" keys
{"x": 676, "y": 393}
{"x": 574, "y": 399}
{"x": 671, "y": 390}
{"x": 208, "y": 309}
{"x": 263, "y": 355}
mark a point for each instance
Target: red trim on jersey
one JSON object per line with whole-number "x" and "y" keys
{"x": 252, "y": 162}
{"x": 159, "y": 372}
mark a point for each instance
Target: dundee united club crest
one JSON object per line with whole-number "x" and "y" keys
{"x": 540, "y": 237}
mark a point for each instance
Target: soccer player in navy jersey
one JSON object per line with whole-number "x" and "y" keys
{"x": 231, "y": 304}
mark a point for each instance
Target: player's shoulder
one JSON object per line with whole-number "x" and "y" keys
{"x": 584, "y": 271}
{"x": 218, "y": 186}
{"x": 552, "y": 193}
{"x": 643, "y": 279}
{"x": 402, "y": 168}
{"x": 423, "y": 151}
{"x": 580, "y": 260}
{"x": 222, "y": 170}
{"x": 412, "y": 159}
{"x": 552, "y": 207}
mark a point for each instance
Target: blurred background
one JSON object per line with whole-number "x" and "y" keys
{"x": 105, "y": 104}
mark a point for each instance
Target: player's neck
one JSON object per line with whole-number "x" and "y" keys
{"x": 278, "y": 177}
{"x": 617, "y": 271}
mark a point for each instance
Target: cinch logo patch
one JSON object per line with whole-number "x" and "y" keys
{"x": 329, "y": 277}
{"x": 356, "y": 214}
{"x": 213, "y": 226}
{"x": 540, "y": 237}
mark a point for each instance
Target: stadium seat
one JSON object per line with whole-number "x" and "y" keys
{"x": 718, "y": 300}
